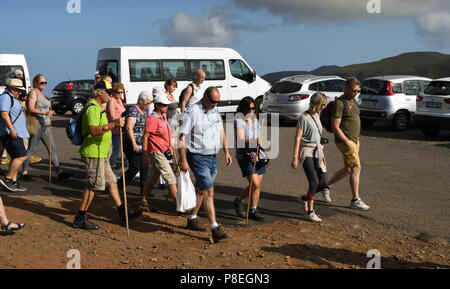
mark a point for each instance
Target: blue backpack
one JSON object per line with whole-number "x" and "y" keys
{"x": 74, "y": 127}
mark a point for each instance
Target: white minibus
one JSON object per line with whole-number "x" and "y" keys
{"x": 142, "y": 68}
{"x": 8, "y": 64}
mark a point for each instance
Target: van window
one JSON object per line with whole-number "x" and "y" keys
{"x": 174, "y": 69}
{"x": 6, "y": 72}
{"x": 108, "y": 67}
{"x": 412, "y": 87}
{"x": 214, "y": 69}
{"x": 239, "y": 69}
{"x": 144, "y": 70}
{"x": 286, "y": 87}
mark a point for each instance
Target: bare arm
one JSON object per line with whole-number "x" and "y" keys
{"x": 144, "y": 148}
{"x": 185, "y": 98}
{"x": 184, "y": 166}
{"x": 110, "y": 107}
{"x": 31, "y": 103}
{"x": 99, "y": 130}
{"x": 225, "y": 149}
{"x": 298, "y": 139}
{"x": 131, "y": 122}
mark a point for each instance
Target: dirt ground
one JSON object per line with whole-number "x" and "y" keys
{"x": 159, "y": 240}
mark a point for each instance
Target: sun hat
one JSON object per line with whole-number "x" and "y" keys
{"x": 161, "y": 98}
{"x": 16, "y": 83}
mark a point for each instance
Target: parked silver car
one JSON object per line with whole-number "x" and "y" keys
{"x": 290, "y": 96}
{"x": 433, "y": 107}
{"x": 390, "y": 98}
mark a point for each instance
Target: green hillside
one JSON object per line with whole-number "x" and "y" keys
{"x": 427, "y": 64}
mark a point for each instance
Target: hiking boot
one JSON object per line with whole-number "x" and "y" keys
{"x": 195, "y": 225}
{"x": 313, "y": 217}
{"x": 239, "y": 207}
{"x": 131, "y": 214}
{"x": 7, "y": 184}
{"x": 143, "y": 206}
{"x": 218, "y": 234}
{"x": 85, "y": 224}
{"x": 254, "y": 215}
{"x": 35, "y": 159}
{"x": 326, "y": 195}
{"x": 358, "y": 204}
{"x": 304, "y": 203}
{"x": 18, "y": 187}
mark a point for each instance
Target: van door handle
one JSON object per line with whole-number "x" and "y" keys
{"x": 234, "y": 86}
{"x": 219, "y": 86}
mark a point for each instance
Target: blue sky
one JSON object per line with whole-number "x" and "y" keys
{"x": 270, "y": 35}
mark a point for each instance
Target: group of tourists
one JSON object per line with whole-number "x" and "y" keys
{"x": 149, "y": 146}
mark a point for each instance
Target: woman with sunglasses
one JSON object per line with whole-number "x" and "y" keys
{"x": 38, "y": 105}
{"x": 247, "y": 131}
{"x": 132, "y": 140}
{"x": 114, "y": 110}
{"x": 308, "y": 152}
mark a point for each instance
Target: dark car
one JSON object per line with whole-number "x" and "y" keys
{"x": 71, "y": 95}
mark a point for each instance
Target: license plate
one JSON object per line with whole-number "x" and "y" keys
{"x": 274, "y": 108}
{"x": 370, "y": 103}
{"x": 433, "y": 104}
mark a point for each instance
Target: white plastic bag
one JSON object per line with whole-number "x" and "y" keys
{"x": 186, "y": 198}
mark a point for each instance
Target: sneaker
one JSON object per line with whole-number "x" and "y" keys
{"x": 26, "y": 178}
{"x": 239, "y": 207}
{"x": 326, "y": 195}
{"x": 195, "y": 225}
{"x": 218, "y": 234}
{"x": 84, "y": 224}
{"x": 313, "y": 217}
{"x": 7, "y": 184}
{"x": 18, "y": 187}
{"x": 304, "y": 203}
{"x": 144, "y": 206}
{"x": 5, "y": 160}
{"x": 254, "y": 215}
{"x": 35, "y": 159}
{"x": 359, "y": 205}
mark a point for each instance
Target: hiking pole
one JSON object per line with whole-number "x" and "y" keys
{"x": 123, "y": 182}
{"x": 50, "y": 156}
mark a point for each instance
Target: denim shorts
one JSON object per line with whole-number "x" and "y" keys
{"x": 204, "y": 169}
{"x": 247, "y": 168}
{"x": 14, "y": 147}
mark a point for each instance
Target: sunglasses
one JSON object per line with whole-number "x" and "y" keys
{"x": 252, "y": 108}
{"x": 357, "y": 90}
{"x": 212, "y": 101}
{"x": 43, "y": 82}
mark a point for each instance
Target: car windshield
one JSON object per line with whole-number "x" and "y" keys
{"x": 438, "y": 88}
{"x": 286, "y": 87}
{"x": 6, "y": 72}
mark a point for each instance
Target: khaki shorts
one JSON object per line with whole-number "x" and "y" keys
{"x": 351, "y": 154}
{"x": 99, "y": 174}
{"x": 159, "y": 165}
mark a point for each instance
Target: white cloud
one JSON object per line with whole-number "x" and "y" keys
{"x": 434, "y": 28}
{"x": 215, "y": 28}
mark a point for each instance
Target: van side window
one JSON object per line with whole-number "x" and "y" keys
{"x": 144, "y": 70}
{"x": 174, "y": 69}
{"x": 412, "y": 87}
{"x": 239, "y": 69}
{"x": 214, "y": 69}
{"x": 108, "y": 67}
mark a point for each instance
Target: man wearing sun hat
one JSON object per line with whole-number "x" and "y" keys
{"x": 13, "y": 130}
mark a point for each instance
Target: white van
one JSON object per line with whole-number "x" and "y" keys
{"x": 142, "y": 68}
{"x": 8, "y": 64}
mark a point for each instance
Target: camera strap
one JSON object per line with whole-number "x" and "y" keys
{"x": 318, "y": 129}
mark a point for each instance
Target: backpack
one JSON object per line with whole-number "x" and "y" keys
{"x": 182, "y": 92}
{"x": 325, "y": 115}
{"x": 74, "y": 127}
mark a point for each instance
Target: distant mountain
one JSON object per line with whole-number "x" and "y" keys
{"x": 427, "y": 64}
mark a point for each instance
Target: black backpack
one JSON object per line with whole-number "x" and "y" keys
{"x": 74, "y": 127}
{"x": 182, "y": 92}
{"x": 325, "y": 115}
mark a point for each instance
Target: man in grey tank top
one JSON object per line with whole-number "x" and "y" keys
{"x": 190, "y": 97}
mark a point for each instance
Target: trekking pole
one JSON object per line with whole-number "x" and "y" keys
{"x": 50, "y": 156}
{"x": 124, "y": 185}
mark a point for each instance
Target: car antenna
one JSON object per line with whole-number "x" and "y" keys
{"x": 68, "y": 77}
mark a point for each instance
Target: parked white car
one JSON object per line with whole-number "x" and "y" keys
{"x": 390, "y": 98}
{"x": 433, "y": 107}
{"x": 290, "y": 96}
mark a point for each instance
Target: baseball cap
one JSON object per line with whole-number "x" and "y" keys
{"x": 105, "y": 85}
{"x": 161, "y": 98}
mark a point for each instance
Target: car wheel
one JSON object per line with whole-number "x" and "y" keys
{"x": 401, "y": 121}
{"x": 258, "y": 102}
{"x": 77, "y": 106}
{"x": 367, "y": 122}
{"x": 429, "y": 131}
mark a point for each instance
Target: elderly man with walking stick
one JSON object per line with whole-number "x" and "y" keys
{"x": 201, "y": 136}
{"x": 94, "y": 149}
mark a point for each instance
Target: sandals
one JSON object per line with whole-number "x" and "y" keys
{"x": 9, "y": 231}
